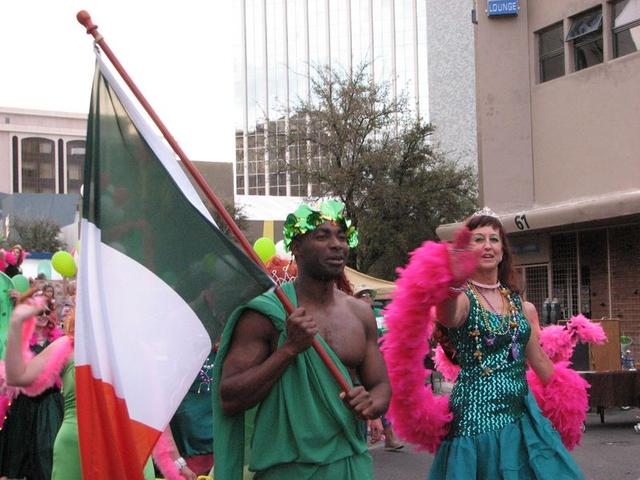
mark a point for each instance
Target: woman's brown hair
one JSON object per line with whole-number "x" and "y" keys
{"x": 70, "y": 323}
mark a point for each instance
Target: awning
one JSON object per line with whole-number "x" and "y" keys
{"x": 578, "y": 211}
{"x": 360, "y": 280}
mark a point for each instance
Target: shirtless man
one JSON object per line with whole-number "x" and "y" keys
{"x": 304, "y": 425}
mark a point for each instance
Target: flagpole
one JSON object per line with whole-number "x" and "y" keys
{"x": 85, "y": 20}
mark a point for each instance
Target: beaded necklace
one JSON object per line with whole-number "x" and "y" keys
{"x": 508, "y": 326}
{"x": 484, "y": 297}
{"x": 205, "y": 376}
{"x": 493, "y": 286}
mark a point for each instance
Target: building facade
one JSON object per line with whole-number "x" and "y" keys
{"x": 282, "y": 42}
{"x": 41, "y": 152}
{"x": 559, "y": 149}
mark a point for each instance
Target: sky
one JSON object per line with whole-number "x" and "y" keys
{"x": 178, "y": 53}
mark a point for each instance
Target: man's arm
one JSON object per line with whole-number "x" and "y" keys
{"x": 372, "y": 398}
{"x": 250, "y": 368}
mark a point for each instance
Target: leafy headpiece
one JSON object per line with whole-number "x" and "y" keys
{"x": 305, "y": 219}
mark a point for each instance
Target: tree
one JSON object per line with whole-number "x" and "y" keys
{"x": 238, "y": 215}
{"x": 367, "y": 149}
{"x": 36, "y": 235}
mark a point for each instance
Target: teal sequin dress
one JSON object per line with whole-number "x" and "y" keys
{"x": 498, "y": 431}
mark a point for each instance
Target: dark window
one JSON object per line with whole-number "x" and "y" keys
{"x": 239, "y": 163}
{"x": 626, "y": 27}
{"x": 38, "y": 165}
{"x": 60, "y": 165}
{"x": 551, "y": 49}
{"x": 16, "y": 163}
{"x": 75, "y": 165}
{"x": 586, "y": 36}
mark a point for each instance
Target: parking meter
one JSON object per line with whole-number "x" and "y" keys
{"x": 545, "y": 314}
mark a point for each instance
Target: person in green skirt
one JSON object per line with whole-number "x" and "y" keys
{"x": 304, "y": 426}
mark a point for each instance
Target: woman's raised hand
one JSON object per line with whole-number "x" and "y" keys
{"x": 463, "y": 259}
{"x": 27, "y": 309}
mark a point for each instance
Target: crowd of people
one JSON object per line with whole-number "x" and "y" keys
{"x": 277, "y": 410}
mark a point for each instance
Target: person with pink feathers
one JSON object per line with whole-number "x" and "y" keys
{"x": 54, "y": 365}
{"x": 32, "y": 417}
{"x": 10, "y": 261}
{"x": 491, "y": 427}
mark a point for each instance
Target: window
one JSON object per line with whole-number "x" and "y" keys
{"x": 535, "y": 281}
{"x": 75, "y": 165}
{"x": 586, "y": 36}
{"x": 38, "y": 165}
{"x": 626, "y": 27}
{"x": 551, "y": 52}
{"x": 239, "y": 162}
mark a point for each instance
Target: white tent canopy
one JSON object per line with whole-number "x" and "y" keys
{"x": 360, "y": 280}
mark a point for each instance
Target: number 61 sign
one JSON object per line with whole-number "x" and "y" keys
{"x": 521, "y": 222}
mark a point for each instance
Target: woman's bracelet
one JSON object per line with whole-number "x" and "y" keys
{"x": 455, "y": 291}
{"x": 180, "y": 463}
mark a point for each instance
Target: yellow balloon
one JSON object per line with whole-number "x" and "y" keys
{"x": 265, "y": 248}
{"x": 64, "y": 264}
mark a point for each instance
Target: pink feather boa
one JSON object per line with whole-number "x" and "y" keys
{"x": 10, "y": 258}
{"x": 445, "y": 366}
{"x": 563, "y": 401}
{"x": 61, "y": 351}
{"x": 5, "y": 403}
{"x": 162, "y": 457}
{"x": 7, "y": 394}
{"x": 418, "y": 415}
{"x": 559, "y": 341}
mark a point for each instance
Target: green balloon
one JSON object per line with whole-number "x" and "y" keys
{"x": 265, "y": 248}
{"x": 44, "y": 267}
{"x": 6, "y": 307}
{"x": 20, "y": 282}
{"x": 64, "y": 264}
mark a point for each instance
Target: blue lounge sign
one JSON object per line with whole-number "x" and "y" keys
{"x": 503, "y": 7}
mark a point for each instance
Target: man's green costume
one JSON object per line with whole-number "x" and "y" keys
{"x": 302, "y": 430}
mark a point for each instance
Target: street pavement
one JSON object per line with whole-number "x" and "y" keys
{"x": 609, "y": 451}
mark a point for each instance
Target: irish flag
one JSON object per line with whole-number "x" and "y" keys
{"x": 156, "y": 282}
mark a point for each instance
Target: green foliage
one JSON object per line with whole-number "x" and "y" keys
{"x": 368, "y": 151}
{"x": 36, "y": 235}
{"x": 238, "y": 215}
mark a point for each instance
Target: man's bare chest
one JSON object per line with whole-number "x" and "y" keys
{"x": 345, "y": 334}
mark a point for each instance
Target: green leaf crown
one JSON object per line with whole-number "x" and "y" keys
{"x": 305, "y": 219}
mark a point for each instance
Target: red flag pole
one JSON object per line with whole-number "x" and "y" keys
{"x": 85, "y": 20}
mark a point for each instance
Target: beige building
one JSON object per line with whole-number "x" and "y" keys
{"x": 558, "y": 115}
{"x": 41, "y": 152}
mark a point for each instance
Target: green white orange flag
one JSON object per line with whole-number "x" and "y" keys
{"x": 156, "y": 282}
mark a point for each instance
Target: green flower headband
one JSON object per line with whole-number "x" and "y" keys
{"x": 305, "y": 219}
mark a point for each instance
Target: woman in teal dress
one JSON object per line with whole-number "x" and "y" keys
{"x": 192, "y": 424}
{"x": 498, "y": 430}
